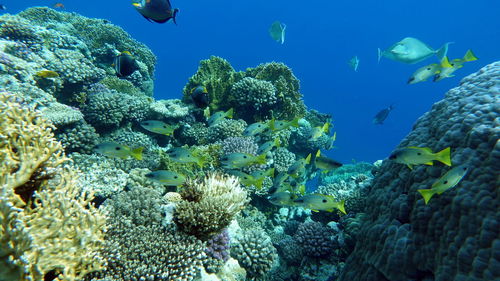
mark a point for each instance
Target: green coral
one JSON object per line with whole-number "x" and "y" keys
{"x": 217, "y": 75}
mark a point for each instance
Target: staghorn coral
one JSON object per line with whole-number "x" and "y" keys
{"x": 209, "y": 205}
{"x": 47, "y": 225}
{"x": 255, "y": 252}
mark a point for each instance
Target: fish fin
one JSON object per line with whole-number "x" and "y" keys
{"x": 430, "y": 163}
{"x": 295, "y": 122}
{"x": 446, "y": 63}
{"x": 229, "y": 113}
{"x": 318, "y": 153}
{"x": 316, "y": 211}
{"x": 443, "y": 156}
{"x": 258, "y": 183}
{"x": 379, "y": 54}
{"x": 341, "y": 207}
{"x": 426, "y": 194}
{"x": 277, "y": 142}
{"x": 269, "y": 172}
{"x": 302, "y": 189}
{"x": 137, "y": 153}
{"x": 410, "y": 166}
{"x": 469, "y": 56}
{"x": 261, "y": 159}
{"x": 325, "y": 127}
{"x": 174, "y": 15}
{"x": 308, "y": 158}
{"x": 441, "y": 52}
{"x": 271, "y": 124}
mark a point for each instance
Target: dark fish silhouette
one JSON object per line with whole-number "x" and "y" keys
{"x": 382, "y": 115}
{"x": 199, "y": 95}
{"x": 3, "y": 7}
{"x": 159, "y": 11}
{"x": 125, "y": 64}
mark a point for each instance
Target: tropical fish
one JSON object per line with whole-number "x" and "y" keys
{"x": 354, "y": 63}
{"x": 247, "y": 179}
{"x": 3, "y": 7}
{"x": 278, "y": 125}
{"x": 219, "y": 115}
{"x": 268, "y": 146}
{"x": 324, "y": 163}
{"x": 454, "y": 66}
{"x": 262, "y": 174}
{"x": 240, "y": 160}
{"x": 182, "y": 155}
{"x": 125, "y": 64}
{"x": 317, "y": 132}
{"x": 445, "y": 182}
{"x": 277, "y": 31}
{"x": 423, "y": 73}
{"x": 278, "y": 182}
{"x": 320, "y": 202}
{"x": 255, "y": 129}
{"x": 330, "y": 141}
{"x": 159, "y": 127}
{"x": 58, "y": 5}
{"x": 114, "y": 149}
{"x": 282, "y": 198}
{"x": 413, "y": 155}
{"x": 159, "y": 11}
{"x": 47, "y": 74}
{"x": 199, "y": 95}
{"x": 167, "y": 177}
{"x": 411, "y": 50}
{"x": 382, "y": 115}
{"x": 298, "y": 167}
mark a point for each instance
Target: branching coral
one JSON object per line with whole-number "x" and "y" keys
{"x": 46, "y": 223}
{"x": 210, "y": 205}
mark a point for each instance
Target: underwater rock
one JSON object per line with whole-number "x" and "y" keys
{"x": 456, "y": 235}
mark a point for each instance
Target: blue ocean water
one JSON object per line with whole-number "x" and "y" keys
{"x": 321, "y": 38}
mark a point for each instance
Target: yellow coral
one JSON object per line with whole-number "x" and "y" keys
{"x": 46, "y": 223}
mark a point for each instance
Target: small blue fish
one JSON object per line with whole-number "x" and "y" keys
{"x": 382, "y": 115}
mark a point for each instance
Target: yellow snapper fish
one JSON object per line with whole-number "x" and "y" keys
{"x": 317, "y": 132}
{"x": 298, "y": 167}
{"x": 447, "y": 181}
{"x": 167, "y": 177}
{"x": 282, "y": 199}
{"x": 454, "y": 66}
{"x": 268, "y": 146}
{"x": 159, "y": 127}
{"x": 411, "y": 50}
{"x": 278, "y": 125}
{"x": 255, "y": 129}
{"x": 277, "y": 31}
{"x": 240, "y": 160}
{"x": 425, "y": 72}
{"x": 326, "y": 164}
{"x": 278, "y": 182}
{"x": 114, "y": 149}
{"x": 47, "y": 74}
{"x": 319, "y": 202}
{"x": 219, "y": 115}
{"x": 182, "y": 155}
{"x": 267, "y": 173}
{"x": 247, "y": 179}
{"x": 413, "y": 155}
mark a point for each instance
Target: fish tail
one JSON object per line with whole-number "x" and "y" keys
{"x": 261, "y": 159}
{"x": 271, "y": 124}
{"x": 269, "y": 172}
{"x": 341, "y": 207}
{"x": 295, "y": 122}
{"x": 443, "y": 156}
{"x": 308, "y": 158}
{"x": 201, "y": 161}
{"x": 229, "y": 113}
{"x": 379, "y": 54}
{"x": 441, "y": 52}
{"x": 469, "y": 56}
{"x": 258, "y": 183}
{"x": 137, "y": 153}
{"x": 174, "y": 16}
{"x": 326, "y": 127}
{"x": 426, "y": 194}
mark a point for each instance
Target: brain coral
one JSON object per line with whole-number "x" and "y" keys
{"x": 316, "y": 240}
{"x": 456, "y": 236}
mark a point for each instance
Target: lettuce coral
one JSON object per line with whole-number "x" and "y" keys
{"x": 47, "y": 225}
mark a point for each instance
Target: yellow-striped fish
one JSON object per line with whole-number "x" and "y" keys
{"x": 114, "y": 149}
{"x": 447, "y": 181}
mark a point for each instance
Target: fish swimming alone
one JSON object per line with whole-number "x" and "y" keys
{"x": 47, "y": 74}
{"x": 3, "y": 7}
{"x": 277, "y": 31}
{"x": 199, "y": 96}
{"x": 354, "y": 63}
{"x": 165, "y": 177}
{"x": 219, "y": 115}
{"x": 382, "y": 115}
{"x": 282, "y": 198}
{"x": 413, "y": 155}
{"x": 411, "y": 50}
{"x": 159, "y": 127}
{"x": 454, "y": 66}
{"x": 445, "y": 182}
{"x": 114, "y": 149}
{"x": 320, "y": 202}
{"x": 125, "y": 64}
{"x": 159, "y": 11}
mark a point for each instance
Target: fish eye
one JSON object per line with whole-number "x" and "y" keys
{"x": 245, "y": 178}
{"x": 149, "y": 175}
{"x": 428, "y": 68}
{"x": 418, "y": 153}
{"x": 164, "y": 126}
{"x": 244, "y": 156}
{"x": 146, "y": 124}
{"x": 259, "y": 126}
{"x": 464, "y": 168}
{"x": 175, "y": 177}
{"x": 392, "y": 157}
{"x": 117, "y": 148}
{"x": 445, "y": 182}
{"x": 324, "y": 200}
{"x": 299, "y": 200}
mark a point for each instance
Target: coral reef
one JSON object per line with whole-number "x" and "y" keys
{"x": 455, "y": 235}
{"x": 80, "y": 137}
{"x": 217, "y": 252}
{"x": 283, "y": 159}
{"x": 226, "y": 128}
{"x": 209, "y": 206}
{"x": 48, "y": 226}
{"x": 255, "y": 252}
{"x": 253, "y": 98}
{"x": 316, "y": 240}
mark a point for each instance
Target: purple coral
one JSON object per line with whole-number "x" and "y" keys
{"x": 316, "y": 240}
{"x": 218, "y": 247}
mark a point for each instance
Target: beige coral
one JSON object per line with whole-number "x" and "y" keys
{"x": 46, "y": 223}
